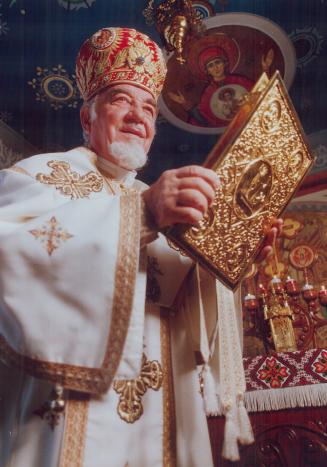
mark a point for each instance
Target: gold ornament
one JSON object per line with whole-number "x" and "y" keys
{"x": 279, "y": 314}
{"x": 51, "y": 235}
{"x": 71, "y": 183}
{"x": 130, "y": 406}
{"x": 176, "y": 22}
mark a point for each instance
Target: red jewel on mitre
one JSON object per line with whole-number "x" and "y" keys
{"x": 119, "y": 55}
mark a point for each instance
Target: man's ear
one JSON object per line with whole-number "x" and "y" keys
{"x": 85, "y": 118}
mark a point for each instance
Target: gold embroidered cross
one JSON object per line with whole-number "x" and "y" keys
{"x": 52, "y": 235}
{"x": 71, "y": 183}
{"x": 131, "y": 391}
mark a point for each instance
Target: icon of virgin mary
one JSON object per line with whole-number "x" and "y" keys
{"x": 212, "y": 61}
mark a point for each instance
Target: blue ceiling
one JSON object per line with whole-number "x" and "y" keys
{"x": 40, "y": 37}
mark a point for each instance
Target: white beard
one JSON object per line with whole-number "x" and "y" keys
{"x": 130, "y": 156}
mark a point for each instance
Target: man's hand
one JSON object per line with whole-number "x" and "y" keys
{"x": 274, "y": 232}
{"x": 181, "y": 195}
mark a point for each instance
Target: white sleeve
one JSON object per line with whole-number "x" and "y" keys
{"x": 67, "y": 281}
{"x": 167, "y": 270}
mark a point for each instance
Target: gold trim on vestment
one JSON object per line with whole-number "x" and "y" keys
{"x": 126, "y": 269}
{"x": 73, "y": 444}
{"x": 168, "y": 402}
{"x": 74, "y": 377}
{"x": 108, "y": 182}
{"x": 130, "y": 407}
{"x": 71, "y": 183}
{"x": 86, "y": 379}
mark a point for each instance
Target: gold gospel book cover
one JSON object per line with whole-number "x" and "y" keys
{"x": 261, "y": 160}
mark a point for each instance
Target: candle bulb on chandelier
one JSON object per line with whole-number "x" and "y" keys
{"x": 250, "y": 302}
{"x": 309, "y": 292}
{"x": 291, "y": 286}
{"x": 276, "y": 285}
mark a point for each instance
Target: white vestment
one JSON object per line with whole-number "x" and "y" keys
{"x": 73, "y": 313}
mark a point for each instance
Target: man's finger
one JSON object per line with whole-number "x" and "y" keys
{"x": 187, "y": 215}
{"x": 198, "y": 184}
{"x": 197, "y": 171}
{"x": 193, "y": 199}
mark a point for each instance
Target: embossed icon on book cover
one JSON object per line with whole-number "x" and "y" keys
{"x": 222, "y": 65}
{"x": 253, "y": 189}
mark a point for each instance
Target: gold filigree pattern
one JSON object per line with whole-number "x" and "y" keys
{"x": 73, "y": 446}
{"x": 270, "y": 118}
{"x": 51, "y": 235}
{"x": 261, "y": 160}
{"x": 141, "y": 58}
{"x": 71, "y": 183}
{"x": 204, "y": 226}
{"x": 70, "y": 376}
{"x": 130, "y": 406}
{"x": 127, "y": 267}
{"x": 168, "y": 401}
{"x": 119, "y": 54}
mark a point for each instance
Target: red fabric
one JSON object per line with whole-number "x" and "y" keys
{"x": 119, "y": 55}
{"x": 204, "y": 104}
{"x": 286, "y": 370}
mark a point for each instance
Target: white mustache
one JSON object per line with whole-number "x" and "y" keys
{"x": 135, "y": 126}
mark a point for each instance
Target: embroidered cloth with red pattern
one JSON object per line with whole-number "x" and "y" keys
{"x": 289, "y": 369}
{"x": 286, "y": 380}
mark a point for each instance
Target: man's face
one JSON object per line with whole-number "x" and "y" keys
{"x": 124, "y": 113}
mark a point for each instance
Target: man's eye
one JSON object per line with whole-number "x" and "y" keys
{"x": 118, "y": 99}
{"x": 149, "y": 110}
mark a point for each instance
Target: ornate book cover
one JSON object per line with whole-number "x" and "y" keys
{"x": 261, "y": 159}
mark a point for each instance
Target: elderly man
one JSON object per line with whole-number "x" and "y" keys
{"x": 88, "y": 377}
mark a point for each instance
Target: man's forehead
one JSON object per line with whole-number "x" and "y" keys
{"x": 132, "y": 90}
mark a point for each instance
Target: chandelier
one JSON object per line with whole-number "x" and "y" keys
{"x": 285, "y": 313}
{"x": 176, "y": 22}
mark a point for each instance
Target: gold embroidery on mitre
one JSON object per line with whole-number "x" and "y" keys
{"x": 141, "y": 58}
{"x": 51, "y": 236}
{"x": 71, "y": 183}
{"x": 131, "y": 391}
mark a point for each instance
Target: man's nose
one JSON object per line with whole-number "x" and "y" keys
{"x": 136, "y": 112}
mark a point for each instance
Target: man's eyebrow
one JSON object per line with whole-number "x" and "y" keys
{"x": 113, "y": 92}
{"x": 148, "y": 100}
